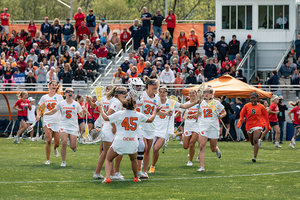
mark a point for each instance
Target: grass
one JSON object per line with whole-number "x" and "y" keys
{"x": 275, "y": 176}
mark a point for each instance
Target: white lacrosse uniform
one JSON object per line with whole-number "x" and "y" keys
{"x": 69, "y": 117}
{"x": 209, "y": 123}
{"x": 149, "y": 105}
{"x": 31, "y": 115}
{"x": 51, "y": 121}
{"x": 108, "y": 136}
{"x": 127, "y": 123}
{"x": 190, "y": 124}
{"x": 162, "y": 121}
{"x": 105, "y": 103}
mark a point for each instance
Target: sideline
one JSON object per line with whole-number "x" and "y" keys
{"x": 156, "y": 179}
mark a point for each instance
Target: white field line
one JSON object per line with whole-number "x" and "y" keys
{"x": 157, "y": 179}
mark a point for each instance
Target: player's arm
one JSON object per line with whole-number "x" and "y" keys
{"x": 290, "y": 115}
{"x": 177, "y": 114}
{"x": 188, "y": 105}
{"x": 52, "y": 112}
{"x": 223, "y": 114}
{"x": 242, "y": 114}
{"x": 266, "y": 117}
{"x": 16, "y": 108}
{"x": 92, "y": 104}
{"x": 272, "y": 112}
{"x": 82, "y": 113}
{"x": 103, "y": 114}
{"x": 150, "y": 119}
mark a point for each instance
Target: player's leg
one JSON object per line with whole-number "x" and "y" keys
{"x": 276, "y": 129}
{"x": 134, "y": 165}
{"x": 82, "y": 130}
{"x": 186, "y": 141}
{"x": 147, "y": 154}
{"x": 214, "y": 148}
{"x": 255, "y": 136}
{"x": 22, "y": 127}
{"x": 192, "y": 144}
{"x": 102, "y": 157}
{"x": 156, "y": 147}
{"x": 117, "y": 167}
{"x": 73, "y": 142}
{"x": 202, "y": 146}
{"x": 48, "y": 135}
{"x": 221, "y": 132}
{"x": 109, "y": 162}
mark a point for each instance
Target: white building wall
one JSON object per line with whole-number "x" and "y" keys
{"x": 260, "y": 35}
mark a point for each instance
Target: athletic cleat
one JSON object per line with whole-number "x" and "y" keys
{"x": 277, "y": 145}
{"x": 98, "y": 176}
{"x": 118, "y": 174}
{"x": 31, "y": 139}
{"x": 75, "y": 149}
{"x": 152, "y": 169}
{"x": 253, "y": 159}
{"x": 201, "y": 169}
{"x": 16, "y": 140}
{"x": 219, "y": 154}
{"x": 293, "y": 141}
{"x": 291, "y": 145}
{"x": 141, "y": 175}
{"x": 56, "y": 154}
{"x": 136, "y": 180}
{"x": 47, "y": 162}
{"x": 146, "y": 175}
{"x": 24, "y": 137}
{"x": 189, "y": 163}
{"x": 106, "y": 180}
{"x": 259, "y": 143}
{"x": 63, "y": 164}
{"x": 181, "y": 143}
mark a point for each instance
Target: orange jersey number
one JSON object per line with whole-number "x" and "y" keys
{"x": 207, "y": 113}
{"x": 191, "y": 113}
{"x": 105, "y": 108}
{"x": 149, "y": 109}
{"x": 129, "y": 123}
{"x": 68, "y": 114}
{"x": 162, "y": 116}
{"x": 51, "y": 106}
{"x": 138, "y": 110}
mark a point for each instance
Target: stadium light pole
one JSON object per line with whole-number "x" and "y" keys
{"x": 69, "y": 6}
{"x": 166, "y": 8}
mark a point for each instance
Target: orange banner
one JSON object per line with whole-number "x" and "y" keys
{"x": 119, "y": 27}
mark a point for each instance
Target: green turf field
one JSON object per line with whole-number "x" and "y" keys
{"x": 275, "y": 176}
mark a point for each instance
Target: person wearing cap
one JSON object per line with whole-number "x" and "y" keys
{"x": 30, "y": 79}
{"x": 63, "y": 48}
{"x": 162, "y": 57}
{"x": 68, "y": 30}
{"x": 167, "y": 76}
{"x": 221, "y": 48}
{"x": 91, "y": 22}
{"x": 42, "y": 56}
{"x": 125, "y": 65}
{"x": 234, "y": 48}
{"x": 31, "y": 116}
{"x": 210, "y": 33}
{"x": 141, "y": 65}
{"x": 79, "y": 17}
{"x": 210, "y": 71}
{"x": 125, "y": 37}
{"x": 101, "y": 54}
{"x": 241, "y": 77}
{"x": 46, "y": 28}
{"x": 81, "y": 30}
{"x": 80, "y": 74}
{"x": 122, "y": 74}
{"x": 5, "y": 22}
{"x": 191, "y": 79}
{"x": 247, "y": 44}
{"x": 209, "y": 47}
{"x": 183, "y": 49}
{"x": 136, "y": 33}
{"x": 103, "y": 27}
{"x": 146, "y": 23}
{"x": 22, "y": 64}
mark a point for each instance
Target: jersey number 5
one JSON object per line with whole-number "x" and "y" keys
{"x": 68, "y": 114}
{"x": 129, "y": 123}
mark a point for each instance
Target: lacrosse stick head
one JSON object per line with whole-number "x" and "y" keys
{"x": 212, "y": 105}
{"x": 136, "y": 86}
{"x": 86, "y": 133}
{"x": 172, "y": 100}
{"x": 201, "y": 89}
{"x": 99, "y": 92}
{"x": 42, "y": 108}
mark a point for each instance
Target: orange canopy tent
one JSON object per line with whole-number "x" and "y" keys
{"x": 231, "y": 87}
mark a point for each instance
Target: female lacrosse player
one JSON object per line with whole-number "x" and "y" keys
{"x": 150, "y": 101}
{"x": 209, "y": 124}
{"x": 69, "y": 122}
{"x": 257, "y": 119}
{"x": 22, "y": 105}
{"x": 126, "y": 141}
{"x": 51, "y": 122}
{"x": 164, "y": 126}
{"x": 273, "y": 110}
{"x": 295, "y": 120}
{"x": 81, "y": 120}
{"x": 117, "y": 94}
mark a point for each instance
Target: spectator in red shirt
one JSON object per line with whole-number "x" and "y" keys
{"x": 83, "y": 29}
{"x": 125, "y": 37}
{"x": 12, "y": 53}
{"x": 32, "y": 28}
{"x": 22, "y": 105}
{"x": 171, "y": 22}
{"x": 79, "y": 17}
{"x": 5, "y": 22}
{"x": 27, "y": 41}
{"x": 18, "y": 38}
{"x": 101, "y": 53}
{"x": 237, "y": 60}
{"x": 22, "y": 65}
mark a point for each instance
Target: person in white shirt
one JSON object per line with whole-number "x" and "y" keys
{"x": 51, "y": 123}
{"x": 31, "y": 116}
{"x": 280, "y": 22}
{"x": 126, "y": 141}
{"x": 69, "y": 122}
{"x": 167, "y": 76}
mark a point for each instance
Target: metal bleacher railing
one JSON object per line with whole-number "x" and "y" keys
{"x": 249, "y": 63}
{"x": 112, "y": 21}
{"x": 291, "y": 45}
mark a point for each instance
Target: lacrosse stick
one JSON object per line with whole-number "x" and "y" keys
{"x": 172, "y": 102}
{"x": 200, "y": 89}
{"x": 86, "y": 133}
{"x": 177, "y": 130}
{"x": 97, "y": 139}
{"x": 212, "y": 105}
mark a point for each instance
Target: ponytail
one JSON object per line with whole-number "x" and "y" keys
{"x": 20, "y": 94}
{"x": 223, "y": 98}
{"x": 294, "y": 104}
{"x": 129, "y": 103}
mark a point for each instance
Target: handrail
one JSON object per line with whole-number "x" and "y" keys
{"x": 119, "y": 53}
{"x": 126, "y": 50}
{"x": 284, "y": 55}
{"x": 245, "y": 58}
{"x": 97, "y": 79}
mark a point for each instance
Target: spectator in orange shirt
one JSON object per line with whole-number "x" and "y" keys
{"x": 141, "y": 65}
{"x": 122, "y": 74}
{"x": 181, "y": 40}
{"x": 193, "y": 43}
{"x": 5, "y": 22}
{"x": 178, "y": 80}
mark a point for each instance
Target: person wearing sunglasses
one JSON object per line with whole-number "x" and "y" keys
{"x": 69, "y": 122}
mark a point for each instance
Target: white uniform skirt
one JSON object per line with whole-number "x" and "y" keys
{"x": 212, "y": 134}
{"x": 125, "y": 145}
{"x": 53, "y": 126}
